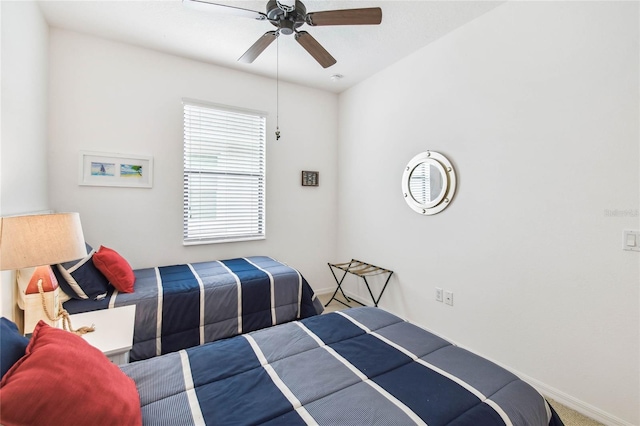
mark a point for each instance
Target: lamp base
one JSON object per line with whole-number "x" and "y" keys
{"x": 23, "y": 276}
{"x": 34, "y": 310}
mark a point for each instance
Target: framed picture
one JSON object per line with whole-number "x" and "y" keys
{"x": 104, "y": 169}
{"x": 310, "y": 178}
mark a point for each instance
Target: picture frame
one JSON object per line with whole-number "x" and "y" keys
{"x": 310, "y": 178}
{"x": 109, "y": 169}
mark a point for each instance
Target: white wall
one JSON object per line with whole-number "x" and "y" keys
{"x": 536, "y": 104}
{"x": 23, "y": 143}
{"x": 113, "y": 97}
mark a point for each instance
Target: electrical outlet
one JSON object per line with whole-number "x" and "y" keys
{"x": 438, "y": 294}
{"x": 448, "y": 298}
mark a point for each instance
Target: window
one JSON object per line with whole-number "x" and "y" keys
{"x": 224, "y": 174}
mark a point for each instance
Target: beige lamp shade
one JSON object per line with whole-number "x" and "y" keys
{"x": 46, "y": 239}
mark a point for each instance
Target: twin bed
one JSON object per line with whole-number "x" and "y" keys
{"x": 181, "y": 306}
{"x": 239, "y": 342}
{"x": 362, "y": 366}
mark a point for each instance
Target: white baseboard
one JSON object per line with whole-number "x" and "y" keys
{"x": 546, "y": 390}
{"x": 323, "y": 291}
{"x": 575, "y": 404}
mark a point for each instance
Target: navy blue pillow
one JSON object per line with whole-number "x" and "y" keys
{"x": 12, "y": 344}
{"x": 80, "y": 279}
{"x": 64, "y": 285}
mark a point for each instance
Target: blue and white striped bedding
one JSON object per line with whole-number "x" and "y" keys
{"x": 187, "y": 305}
{"x": 362, "y": 366}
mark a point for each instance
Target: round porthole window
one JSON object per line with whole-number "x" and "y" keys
{"x": 428, "y": 183}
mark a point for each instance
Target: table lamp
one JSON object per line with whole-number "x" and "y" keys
{"x": 39, "y": 241}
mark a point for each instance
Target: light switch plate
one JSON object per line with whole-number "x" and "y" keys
{"x": 631, "y": 240}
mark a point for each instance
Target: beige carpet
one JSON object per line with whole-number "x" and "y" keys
{"x": 334, "y": 306}
{"x": 569, "y": 417}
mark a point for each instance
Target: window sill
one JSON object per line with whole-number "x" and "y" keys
{"x": 222, "y": 240}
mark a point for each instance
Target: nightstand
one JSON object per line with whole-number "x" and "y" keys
{"x": 114, "y": 331}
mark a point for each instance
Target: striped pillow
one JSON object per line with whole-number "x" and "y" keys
{"x": 80, "y": 279}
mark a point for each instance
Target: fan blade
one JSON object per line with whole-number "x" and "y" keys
{"x": 221, "y": 8}
{"x": 315, "y": 49}
{"x": 258, "y": 47}
{"x": 367, "y": 16}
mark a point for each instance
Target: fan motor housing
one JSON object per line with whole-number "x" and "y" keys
{"x": 286, "y": 22}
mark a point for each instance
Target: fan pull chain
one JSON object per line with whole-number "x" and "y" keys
{"x": 277, "y": 88}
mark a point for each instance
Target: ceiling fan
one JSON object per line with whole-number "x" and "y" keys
{"x": 289, "y": 15}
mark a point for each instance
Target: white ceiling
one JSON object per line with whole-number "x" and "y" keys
{"x": 361, "y": 51}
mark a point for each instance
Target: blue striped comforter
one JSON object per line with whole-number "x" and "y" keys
{"x": 362, "y": 366}
{"x": 187, "y": 305}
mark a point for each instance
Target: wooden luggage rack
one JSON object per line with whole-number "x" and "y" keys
{"x": 361, "y": 269}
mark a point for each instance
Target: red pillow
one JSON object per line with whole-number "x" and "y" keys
{"x": 64, "y": 380}
{"x": 115, "y": 268}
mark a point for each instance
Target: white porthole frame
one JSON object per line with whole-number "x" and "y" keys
{"x": 445, "y": 196}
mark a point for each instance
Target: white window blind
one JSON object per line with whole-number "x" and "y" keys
{"x": 224, "y": 174}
